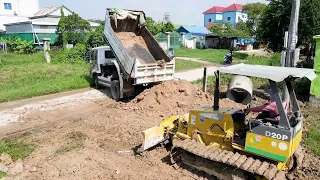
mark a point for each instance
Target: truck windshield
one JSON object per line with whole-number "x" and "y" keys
{"x": 108, "y": 54}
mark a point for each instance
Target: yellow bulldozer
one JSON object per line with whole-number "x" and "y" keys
{"x": 222, "y": 143}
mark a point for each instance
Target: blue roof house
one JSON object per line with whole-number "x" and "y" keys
{"x": 194, "y": 30}
{"x": 193, "y": 34}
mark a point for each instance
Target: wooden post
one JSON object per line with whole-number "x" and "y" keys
{"x": 204, "y": 81}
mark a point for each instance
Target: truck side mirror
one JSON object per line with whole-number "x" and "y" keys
{"x": 171, "y": 53}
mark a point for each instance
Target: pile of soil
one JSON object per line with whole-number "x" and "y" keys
{"x": 175, "y": 97}
{"x": 129, "y": 39}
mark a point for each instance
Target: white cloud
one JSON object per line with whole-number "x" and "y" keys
{"x": 181, "y": 12}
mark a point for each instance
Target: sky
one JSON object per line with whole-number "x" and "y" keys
{"x": 186, "y": 12}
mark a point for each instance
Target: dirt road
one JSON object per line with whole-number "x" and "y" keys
{"x": 88, "y": 135}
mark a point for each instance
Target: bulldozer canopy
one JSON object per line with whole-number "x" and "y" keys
{"x": 273, "y": 73}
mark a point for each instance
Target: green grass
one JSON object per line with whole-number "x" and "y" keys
{"x": 2, "y": 174}
{"x": 210, "y": 55}
{"x": 25, "y": 76}
{"x": 185, "y": 64}
{"x": 16, "y": 149}
{"x": 312, "y": 136}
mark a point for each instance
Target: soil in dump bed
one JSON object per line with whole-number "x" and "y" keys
{"x": 136, "y": 47}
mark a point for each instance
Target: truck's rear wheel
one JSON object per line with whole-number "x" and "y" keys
{"x": 115, "y": 90}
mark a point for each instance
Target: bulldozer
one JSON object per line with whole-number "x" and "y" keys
{"x": 224, "y": 144}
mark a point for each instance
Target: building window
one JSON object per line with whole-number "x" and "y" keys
{"x": 7, "y": 6}
{"x": 229, "y": 18}
{"x": 209, "y": 19}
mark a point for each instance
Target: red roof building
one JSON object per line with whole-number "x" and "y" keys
{"x": 218, "y": 14}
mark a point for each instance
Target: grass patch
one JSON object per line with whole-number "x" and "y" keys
{"x": 25, "y": 76}
{"x": 312, "y": 136}
{"x": 2, "y": 174}
{"x": 186, "y": 64}
{"x": 210, "y": 55}
{"x": 16, "y": 149}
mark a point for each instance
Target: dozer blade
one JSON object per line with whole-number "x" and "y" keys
{"x": 152, "y": 137}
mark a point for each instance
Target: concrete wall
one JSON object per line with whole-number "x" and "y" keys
{"x": 215, "y": 17}
{"x": 163, "y": 45}
{"x": 241, "y": 16}
{"x": 21, "y": 10}
{"x": 21, "y": 7}
{"x": 232, "y": 15}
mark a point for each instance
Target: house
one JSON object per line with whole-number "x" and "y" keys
{"x": 16, "y": 10}
{"x": 231, "y": 14}
{"x": 192, "y": 34}
{"x": 42, "y": 24}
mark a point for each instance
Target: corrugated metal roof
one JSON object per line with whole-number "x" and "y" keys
{"x": 273, "y": 73}
{"x": 47, "y": 21}
{"x": 232, "y": 7}
{"x": 194, "y": 30}
{"x": 46, "y": 11}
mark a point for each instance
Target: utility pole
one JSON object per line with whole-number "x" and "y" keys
{"x": 292, "y": 42}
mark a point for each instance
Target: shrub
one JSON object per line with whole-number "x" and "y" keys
{"x": 17, "y": 45}
{"x": 198, "y": 46}
{"x": 72, "y": 55}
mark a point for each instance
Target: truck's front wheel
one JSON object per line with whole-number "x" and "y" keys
{"x": 115, "y": 90}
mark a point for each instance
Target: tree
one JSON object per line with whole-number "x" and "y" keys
{"x": 72, "y": 29}
{"x": 254, "y": 12}
{"x": 226, "y": 30}
{"x": 168, "y": 27}
{"x": 276, "y": 18}
{"x": 61, "y": 30}
{"x": 153, "y": 26}
{"x": 95, "y": 38}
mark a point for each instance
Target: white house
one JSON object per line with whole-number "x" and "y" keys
{"x": 42, "y": 24}
{"x": 16, "y": 10}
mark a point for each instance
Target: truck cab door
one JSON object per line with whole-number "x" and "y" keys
{"x": 94, "y": 67}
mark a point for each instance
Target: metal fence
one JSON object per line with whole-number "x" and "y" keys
{"x": 175, "y": 40}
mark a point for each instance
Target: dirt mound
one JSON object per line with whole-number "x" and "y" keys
{"x": 176, "y": 96}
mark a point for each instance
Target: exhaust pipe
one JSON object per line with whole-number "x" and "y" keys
{"x": 216, "y": 92}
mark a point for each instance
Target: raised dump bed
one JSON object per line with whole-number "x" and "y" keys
{"x": 133, "y": 44}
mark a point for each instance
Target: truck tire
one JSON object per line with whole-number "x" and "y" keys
{"x": 115, "y": 90}
{"x": 96, "y": 82}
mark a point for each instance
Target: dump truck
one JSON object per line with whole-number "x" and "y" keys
{"x": 133, "y": 59}
{"x": 222, "y": 142}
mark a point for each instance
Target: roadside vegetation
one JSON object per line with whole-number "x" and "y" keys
{"x": 210, "y": 55}
{"x": 25, "y": 76}
{"x": 182, "y": 64}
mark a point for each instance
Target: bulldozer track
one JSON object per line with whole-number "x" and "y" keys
{"x": 232, "y": 165}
